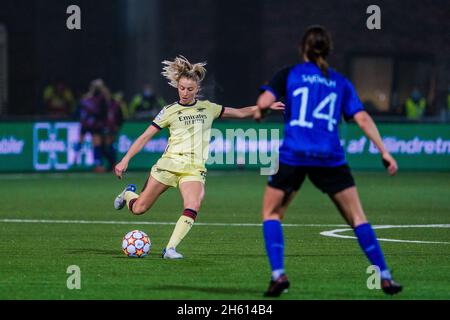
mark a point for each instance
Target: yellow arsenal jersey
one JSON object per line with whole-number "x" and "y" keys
{"x": 190, "y": 133}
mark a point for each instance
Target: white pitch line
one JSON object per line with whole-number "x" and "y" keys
{"x": 333, "y": 233}
{"x": 158, "y": 223}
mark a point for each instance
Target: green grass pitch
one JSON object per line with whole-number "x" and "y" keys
{"x": 224, "y": 252}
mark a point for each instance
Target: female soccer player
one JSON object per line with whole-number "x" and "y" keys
{"x": 316, "y": 98}
{"x": 183, "y": 163}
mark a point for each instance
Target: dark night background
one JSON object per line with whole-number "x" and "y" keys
{"x": 244, "y": 42}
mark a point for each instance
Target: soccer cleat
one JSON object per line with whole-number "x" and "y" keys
{"x": 391, "y": 287}
{"x": 277, "y": 287}
{"x": 171, "y": 254}
{"x": 119, "y": 202}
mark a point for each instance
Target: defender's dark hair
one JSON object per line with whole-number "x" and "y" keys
{"x": 316, "y": 45}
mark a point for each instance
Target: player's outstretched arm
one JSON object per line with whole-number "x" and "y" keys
{"x": 265, "y": 100}
{"x": 248, "y": 112}
{"x": 367, "y": 125}
{"x": 140, "y": 142}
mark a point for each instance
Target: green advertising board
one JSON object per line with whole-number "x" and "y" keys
{"x": 43, "y": 146}
{"x": 414, "y": 146}
{"x": 16, "y": 146}
{"x": 50, "y": 146}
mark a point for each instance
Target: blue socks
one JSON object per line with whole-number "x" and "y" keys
{"x": 273, "y": 237}
{"x": 369, "y": 244}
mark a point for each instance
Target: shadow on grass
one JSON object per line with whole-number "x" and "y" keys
{"x": 104, "y": 252}
{"x": 202, "y": 289}
{"x": 115, "y": 254}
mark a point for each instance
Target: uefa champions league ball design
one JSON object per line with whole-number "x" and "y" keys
{"x": 136, "y": 244}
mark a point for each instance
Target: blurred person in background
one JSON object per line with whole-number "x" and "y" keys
{"x": 415, "y": 105}
{"x": 93, "y": 113}
{"x": 146, "y": 104}
{"x": 116, "y": 115}
{"x": 59, "y": 102}
{"x": 119, "y": 98}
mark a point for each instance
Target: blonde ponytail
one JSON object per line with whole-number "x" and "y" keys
{"x": 181, "y": 67}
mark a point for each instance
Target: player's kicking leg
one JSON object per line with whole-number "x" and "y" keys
{"x": 120, "y": 201}
{"x": 348, "y": 203}
{"x": 139, "y": 204}
{"x": 192, "y": 193}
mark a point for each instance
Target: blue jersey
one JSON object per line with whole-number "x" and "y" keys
{"x": 315, "y": 105}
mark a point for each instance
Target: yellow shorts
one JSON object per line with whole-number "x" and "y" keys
{"x": 173, "y": 179}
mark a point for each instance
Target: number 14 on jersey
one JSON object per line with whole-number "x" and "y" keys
{"x": 318, "y": 113}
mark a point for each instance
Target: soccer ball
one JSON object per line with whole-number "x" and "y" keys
{"x": 136, "y": 244}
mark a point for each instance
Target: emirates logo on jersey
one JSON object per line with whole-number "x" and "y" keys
{"x": 192, "y": 119}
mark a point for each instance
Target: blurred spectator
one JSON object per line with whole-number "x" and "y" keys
{"x": 114, "y": 120}
{"x": 119, "y": 98}
{"x": 93, "y": 112}
{"x": 58, "y": 100}
{"x": 415, "y": 105}
{"x": 146, "y": 104}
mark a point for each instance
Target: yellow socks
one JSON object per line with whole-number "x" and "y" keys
{"x": 183, "y": 226}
